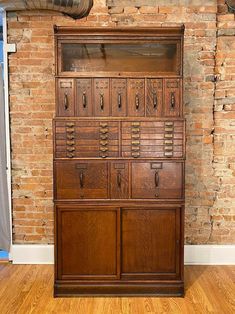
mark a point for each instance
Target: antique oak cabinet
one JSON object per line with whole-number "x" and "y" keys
{"x": 119, "y": 151}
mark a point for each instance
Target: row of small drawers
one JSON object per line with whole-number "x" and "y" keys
{"x": 119, "y": 97}
{"x": 137, "y": 139}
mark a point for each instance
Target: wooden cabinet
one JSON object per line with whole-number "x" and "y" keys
{"x": 119, "y": 151}
{"x": 91, "y": 247}
{"x": 150, "y": 243}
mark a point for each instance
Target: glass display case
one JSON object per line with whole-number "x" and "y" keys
{"x": 152, "y": 57}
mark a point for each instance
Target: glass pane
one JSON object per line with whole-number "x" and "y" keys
{"x": 146, "y": 57}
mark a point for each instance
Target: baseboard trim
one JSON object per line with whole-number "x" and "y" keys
{"x": 194, "y": 254}
{"x": 209, "y": 255}
{"x": 32, "y": 254}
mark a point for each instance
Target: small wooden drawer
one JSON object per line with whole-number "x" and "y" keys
{"x": 172, "y": 105}
{"x": 79, "y": 180}
{"x": 119, "y": 175}
{"x": 65, "y": 100}
{"x": 156, "y": 180}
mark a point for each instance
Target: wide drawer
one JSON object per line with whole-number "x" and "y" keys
{"x": 79, "y": 180}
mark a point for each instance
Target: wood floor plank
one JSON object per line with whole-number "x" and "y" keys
{"x": 26, "y": 289}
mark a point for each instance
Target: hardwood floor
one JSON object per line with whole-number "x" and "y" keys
{"x": 28, "y": 289}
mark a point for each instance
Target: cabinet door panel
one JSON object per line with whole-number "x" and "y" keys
{"x": 150, "y": 242}
{"x": 119, "y": 180}
{"x": 101, "y": 97}
{"x": 154, "y": 98}
{"x": 136, "y": 97}
{"x": 88, "y": 240}
{"x": 157, "y": 180}
{"x": 78, "y": 180}
{"x": 84, "y": 97}
{"x": 118, "y": 99}
{"x": 65, "y": 104}
{"x": 172, "y": 98}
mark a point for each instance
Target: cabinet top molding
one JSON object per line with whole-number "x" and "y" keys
{"x": 125, "y": 31}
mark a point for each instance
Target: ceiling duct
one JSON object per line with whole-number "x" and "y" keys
{"x": 75, "y": 8}
{"x": 231, "y": 5}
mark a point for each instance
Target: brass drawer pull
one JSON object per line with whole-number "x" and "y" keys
{"x": 135, "y": 143}
{"x": 168, "y": 135}
{"x": 169, "y": 123}
{"x": 169, "y": 148}
{"x": 119, "y": 100}
{"x": 70, "y": 124}
{"x": 168, "y": 142}
{"x": 70, "y": 149}
{"x": 154, "y": 100}
{"x": 168, "y": 154}
{"x": 156, "y": 179}
{"x": 135, "y": 130}
{"x": 104, "y": 136}
{"x": 81, "y": 179}
{"x": 70, "y": 130}
{"x": 104, "y": 156}
{"x": 135, "y": 155}
{"x": 70, "y": 155}
{"x": 169, "y": 129}
{"x": 103, "y": 149}
{"x": 102, "y": 102}
{"x": 135, "y": 124}
{"x": 104, "y": 131}
{"x": 70, "y": 143}
{"x": 172, "y": 100}
{"x": 84, "y": 100}
{"x": 103, "y": 143}
{"x": 66, "y": 101}
{"x": 135, "y": 136}
{"x": 70, "y": 136}
{"x": 137, "y": 101}
{"x": 119, "y": 179}
{"x": 135, "y": 149}
{"x": 103, "y": 124}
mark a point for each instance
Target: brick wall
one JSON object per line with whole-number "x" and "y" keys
{"x": 209, "y": 109}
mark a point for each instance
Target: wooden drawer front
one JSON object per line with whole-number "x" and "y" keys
{"x": 136, "y": 97}
{"x": 153, "y": 139}
{"x": 87, "y": 139}
{"x": 172, "y": 101}
{"x": 88, "y": 239}
{"x": 65, "y": 100}
{"x": 101, "y": 97}
{"x": 78, "y": 180}
{"x": 150, "y": 243}
{"x": 84, "y": 97}
{"x": 156, "y": 180}
{"x": 119, "y": 175}
{"x": 154, "y": 98}
{"x": 118, "y": 97}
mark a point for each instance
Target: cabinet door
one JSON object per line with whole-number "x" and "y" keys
{"x": 83, "y": 98}
{"x": 65, "y": 102}
{"x": 101, "y": 97}
{"x": 136, "y": 97}
{"x": 119, "y": 180}
{"x": 88, "y": 242}
{"x": 172, "y": 103}
{"x": 157, "y": 180}
{"x": 150, "y": 243}
{"x": 154, "y": 98}
{"x": 78, "y": 180}
{"x": 118, "y": 99}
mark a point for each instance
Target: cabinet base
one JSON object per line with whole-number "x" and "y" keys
{"x": 119, "y": 289}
